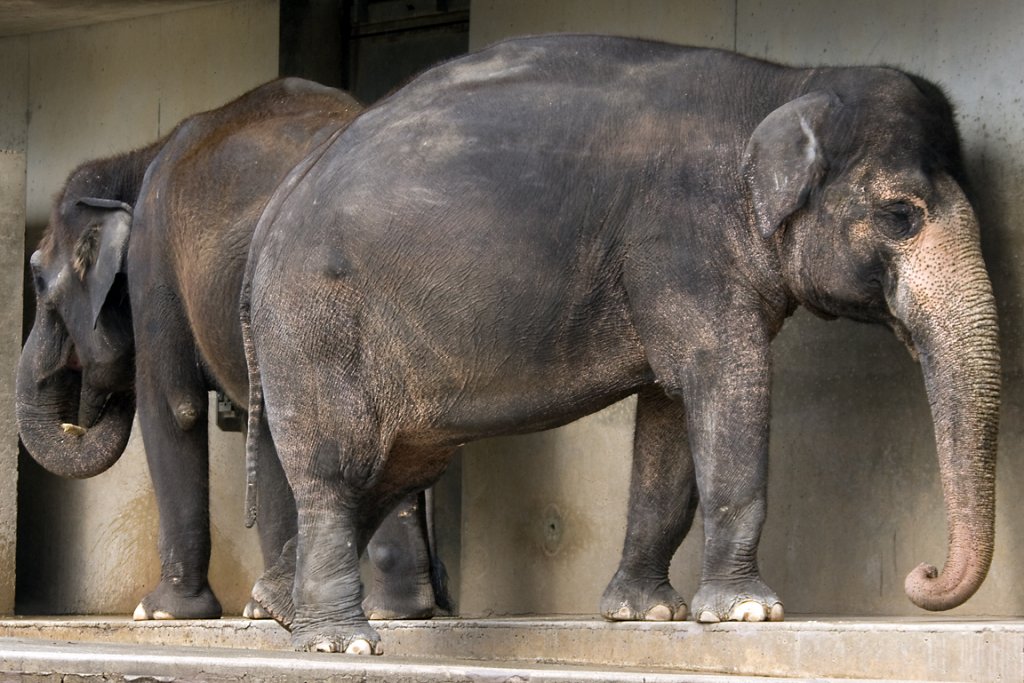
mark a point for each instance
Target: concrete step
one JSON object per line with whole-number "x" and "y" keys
{"x": 527, "y": 649}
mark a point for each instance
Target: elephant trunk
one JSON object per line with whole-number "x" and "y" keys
{"x": 954, "y": 329}
{"x": 47, "y": 402}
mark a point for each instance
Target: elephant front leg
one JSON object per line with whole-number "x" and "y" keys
{"x": 175, "y": 436}
{"x": 728, "y": 417}
{"x": 662, "y": 502}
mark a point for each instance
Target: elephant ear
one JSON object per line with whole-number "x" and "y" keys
{"x": 100, "y": 253}
{"x": 784, "y": 161}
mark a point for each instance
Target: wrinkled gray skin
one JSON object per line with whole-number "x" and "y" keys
{"x": 154, "y": 319}
{"x": 522, "y": 236}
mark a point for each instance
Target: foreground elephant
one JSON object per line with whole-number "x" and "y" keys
{"x": 522, "y": 236}
{"x": 155, "y": 319}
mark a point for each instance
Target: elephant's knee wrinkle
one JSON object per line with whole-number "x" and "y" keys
{"x": 186, "y": 414}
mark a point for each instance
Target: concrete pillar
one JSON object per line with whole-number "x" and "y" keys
{"x": 13, "y": 133}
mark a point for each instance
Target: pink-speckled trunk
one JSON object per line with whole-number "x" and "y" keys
{"x": 952, "y": 322}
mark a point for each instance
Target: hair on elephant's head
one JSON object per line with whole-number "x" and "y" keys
{"x": 75, "y": 386}
{"x": 862, "y": 191}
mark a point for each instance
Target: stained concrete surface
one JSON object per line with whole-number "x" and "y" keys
{"x": 12, "y": 235}
{"x": 13, "y": 164}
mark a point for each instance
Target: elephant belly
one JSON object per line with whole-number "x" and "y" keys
{"x": 523, "y": 404}
{"x": 488, "y": 375}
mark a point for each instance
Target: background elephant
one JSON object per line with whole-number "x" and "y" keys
{"x": 525, "y": 235}
{"x": 137, "y": 283}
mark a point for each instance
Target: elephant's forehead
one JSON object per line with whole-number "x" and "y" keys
{"x": 891, "y": 182}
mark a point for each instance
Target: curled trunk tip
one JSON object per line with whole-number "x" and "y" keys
{"x": 934, "y": 591}
{"x": 44, "y": 410}
{"x": 920, "y": 588}
{"x": 69, "y": 450}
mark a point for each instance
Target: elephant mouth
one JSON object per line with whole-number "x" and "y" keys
{"x": 94, "y": 397}
{"x": 92, "y": 407}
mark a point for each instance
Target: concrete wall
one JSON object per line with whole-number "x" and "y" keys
{"x": 854, "y": 499}
{"x": 90, "y": 546}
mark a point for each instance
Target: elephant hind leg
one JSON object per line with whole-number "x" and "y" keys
{"x": 662, "y": 502}
{"x": 332, "y": 449}
{"x": 276, "y": 524}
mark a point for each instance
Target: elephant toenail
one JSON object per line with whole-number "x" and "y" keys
{"x": 359, "y": 646}
{"x": 624, "y": 613}
{"x": 748, "y": 610}
{"x": 708, "y": 617}
{"x": 778, "y": 614}
{"x": 659, "y": 613}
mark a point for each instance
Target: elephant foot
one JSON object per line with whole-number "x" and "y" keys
{"x": 628, "y": 599}
{"x": 254, "y": 610}
{"x": 357, "y": 639}
{"x": 398, "y": 599}
{"x": 272, "y": 594}
{"x": 170, "y": 601}
{"x": 750, "y": 600}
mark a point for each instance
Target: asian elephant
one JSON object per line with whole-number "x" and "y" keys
{"x": 137, "y": 283}
{"x": 522, "y": 236}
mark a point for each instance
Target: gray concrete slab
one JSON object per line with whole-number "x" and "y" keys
{"x": 810, "y": 648}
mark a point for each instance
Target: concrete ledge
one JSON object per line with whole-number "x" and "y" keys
{"x": 939, "y": 649}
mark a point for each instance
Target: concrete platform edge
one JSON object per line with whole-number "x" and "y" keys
{"x": 879, "y": 649}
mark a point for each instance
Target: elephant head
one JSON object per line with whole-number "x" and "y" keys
{"x": 75, "y": 398}
{"x": 860, "y": 191}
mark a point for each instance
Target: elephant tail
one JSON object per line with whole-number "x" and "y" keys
{"x": 255, "y": 418}
{"x": 438, "y": 572}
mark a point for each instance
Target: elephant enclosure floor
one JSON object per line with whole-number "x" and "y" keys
{"x": 543, "y": 650}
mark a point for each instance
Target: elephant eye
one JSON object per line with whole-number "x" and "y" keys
{"x": 900, "y": 220}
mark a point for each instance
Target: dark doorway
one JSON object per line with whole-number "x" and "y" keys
{"x": 369, "y": 47}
